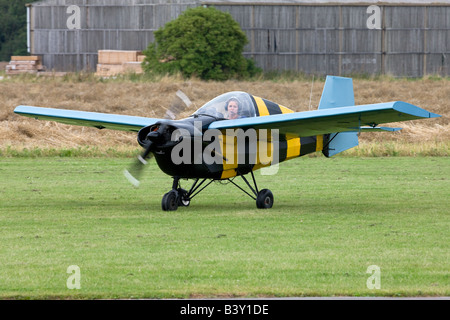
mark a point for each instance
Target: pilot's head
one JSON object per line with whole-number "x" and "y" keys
{"x": 232, "y": 106}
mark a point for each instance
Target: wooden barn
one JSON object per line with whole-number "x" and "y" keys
{"x": 340, "y": 37}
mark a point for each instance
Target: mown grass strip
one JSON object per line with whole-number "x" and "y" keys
{"x": 332, "y": 219}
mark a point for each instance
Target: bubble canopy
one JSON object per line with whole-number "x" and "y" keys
{"x": 218, "y": 107}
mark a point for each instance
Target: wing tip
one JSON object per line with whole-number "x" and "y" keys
{"x": 19, "y": 109}
{"x": 434, "y": 115}
{"x": 413, "y": 110}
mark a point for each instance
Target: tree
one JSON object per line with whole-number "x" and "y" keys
{"x": 204, "y": 42}
{"x": 13, "y": 33}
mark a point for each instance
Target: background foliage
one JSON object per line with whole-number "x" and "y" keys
{"x": 202, "y": 42}
{"x": 13, "y": 28}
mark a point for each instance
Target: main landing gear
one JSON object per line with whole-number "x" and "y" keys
{"x": 181, "y": 197}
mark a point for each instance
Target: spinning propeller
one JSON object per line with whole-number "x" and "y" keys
{"x": 157, "y": 136}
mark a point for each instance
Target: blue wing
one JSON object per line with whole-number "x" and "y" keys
{"x": 332, "y": 120}
{"x": 89, "y": 119}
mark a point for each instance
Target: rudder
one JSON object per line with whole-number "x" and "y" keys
{"x": 338, "y": 92}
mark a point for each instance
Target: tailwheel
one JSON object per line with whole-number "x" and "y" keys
{"x": 264, "y": 200}
{"x": 170, "y": 201}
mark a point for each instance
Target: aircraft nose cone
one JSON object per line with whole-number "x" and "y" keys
{"x": 153, "y": 136}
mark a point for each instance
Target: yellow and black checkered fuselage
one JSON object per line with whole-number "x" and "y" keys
{"x": 288, "y": 146}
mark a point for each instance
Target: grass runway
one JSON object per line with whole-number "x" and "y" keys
{"x": 332, "y": 219}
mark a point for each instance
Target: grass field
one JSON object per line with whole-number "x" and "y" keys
{"x": 332, "y": 219}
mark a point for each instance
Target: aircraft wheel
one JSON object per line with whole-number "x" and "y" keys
{"x": 264, "y": 199}
{"x": 183, "y": 199}
{"x": 170, "y": 201}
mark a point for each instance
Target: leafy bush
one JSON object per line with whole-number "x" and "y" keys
{"x": 202, "y": 42}
{"x": 13, "y": 28}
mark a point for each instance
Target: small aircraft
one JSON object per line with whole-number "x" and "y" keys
{"x": 238, "y": 133}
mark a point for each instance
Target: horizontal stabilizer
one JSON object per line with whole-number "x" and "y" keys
{"x": 377, "y": 129}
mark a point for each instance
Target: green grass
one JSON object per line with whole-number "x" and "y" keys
{"x": 331, "y": 220}
{"x": 79, "y": 152}
{"x": 365, "y": 149}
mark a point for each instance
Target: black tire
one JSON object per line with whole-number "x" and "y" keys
{"x": 183, "y": 199}
{"x": 264, "y": 200}
{"x": 170, "y": 201}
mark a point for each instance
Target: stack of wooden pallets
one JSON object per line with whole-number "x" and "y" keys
{"x": 24, "y": 64}
{"x": 114, "y": 62}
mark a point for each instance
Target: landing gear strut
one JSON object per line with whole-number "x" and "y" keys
{"x": 264, "y": 198}
{"x": 181, "y": 197}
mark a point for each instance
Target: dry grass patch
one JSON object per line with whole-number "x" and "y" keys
{"x": 151, "y": 98}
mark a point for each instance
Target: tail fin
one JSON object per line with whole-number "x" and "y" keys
{"x": 338, "y": 92}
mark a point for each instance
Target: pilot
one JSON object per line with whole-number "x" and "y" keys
{"x": 232, "y": 106}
